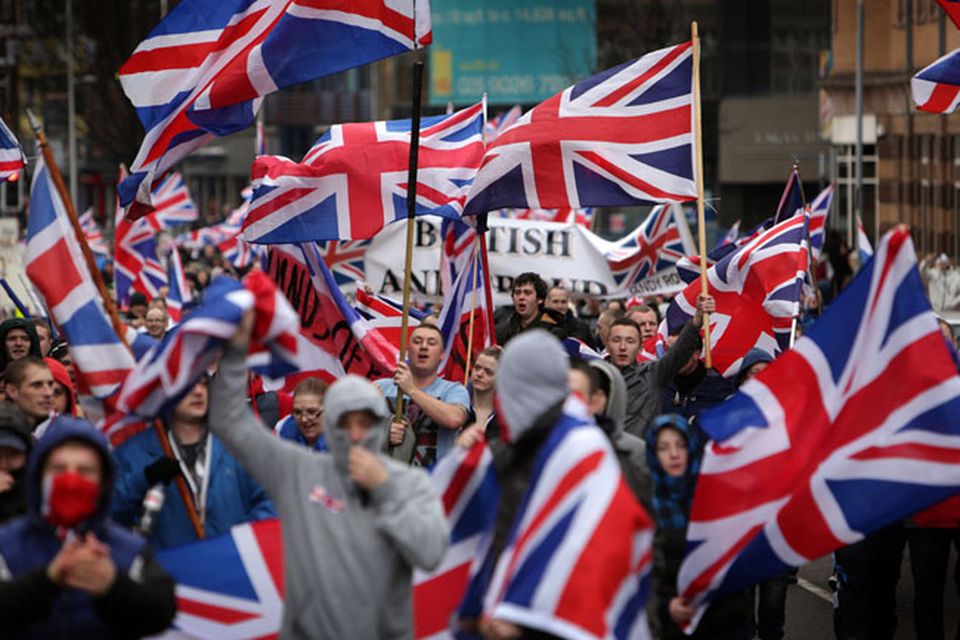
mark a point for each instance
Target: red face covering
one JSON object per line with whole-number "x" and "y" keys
{"x": 69, "y": 499}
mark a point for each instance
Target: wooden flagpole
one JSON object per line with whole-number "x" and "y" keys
{"x": 701, "y": 223}
{"x": 473, "y": 308}
{"x": 411, "y": 211}
{"x": 108, "y": 303}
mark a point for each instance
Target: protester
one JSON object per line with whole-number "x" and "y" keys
{"x": 603, "y": 385}
{"x": 64, "y": 400}
{"x": 305, "y": 426}
{"x": 355, "y": 523}
{"x": 558, "y": 300}
{"x": 222, "y": 493}
{"x": 19, "y": 339}
{"x": 674, "y": 451}
{"x": 15, "y": 446}
{"x": 44, "y": 335}
{"x": 483, "y": 379}
{"x": 61, "y": 353}
{"x": 28, "y": 383}
{"x": 695, "y": 388}
{"x": 606, "y": 319}
{"x": 647, "y": 380}
{"x": 138, "y": 306}
{"x": 942, "y": 281}
{"x": 529, "y": 294}
{"x": 67, "y": 571}
{"x": 155, "y": 322}
{"x": 646, "y": 318}
{"x": 435, "y": 408}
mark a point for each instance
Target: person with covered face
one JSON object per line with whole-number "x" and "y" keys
{"x": 355, "y": 522}
{"x": 66, "y": 570}
{"x": 15, "y": 445}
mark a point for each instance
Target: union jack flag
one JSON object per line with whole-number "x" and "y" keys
{"x": 467, "y": 485}
{"x": 203, "y": 71}
{"x": 501, "y": 122}
{"x": 469, "y": 296}
{"x": 11, "y": 155}
{"x": 241, "y": 253}
{"x": 819, "y": 210}
{"x": 622, "y": 137}
{"x": 91, "y": 231}
{"x": 733, "y": 233}
{"x": 855, "y": 427}
{"x": 936, "y": 88}
{"x": 457, "y": 239}
{"x": 655, "y": 246}
{"x": 863, "y": 240}
{"x": 952, "y": 7}
{"x": 229, "y": 587}
{"x": 179, "y": 294}
{"x": 169, "y": 370}
{"x": 576, "y": 563}
{"x": 385, "y": 314}
{"x": 335, "y": 339}
{"x": 757, "y": 290}
{"x": 354, "y": 179}
{"x": 344, "y": 258}
{"x": 137, "y": 266}
{"x": 172, "y": 203}
{"x": 55, "y": 264}
{"x": 792, "y": 200}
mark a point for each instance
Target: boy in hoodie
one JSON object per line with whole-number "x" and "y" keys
{"x": 355, "y": 523}
{"x": 66, "y": 571}
{"x": 18, "y": 339}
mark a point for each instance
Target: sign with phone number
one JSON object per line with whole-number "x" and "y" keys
{"x": 517, "y": 51}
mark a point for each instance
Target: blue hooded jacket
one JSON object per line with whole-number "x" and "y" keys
{"x": 29, "y": 543}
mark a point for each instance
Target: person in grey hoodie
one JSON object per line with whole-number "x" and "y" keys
{"x": 355, "y": 523}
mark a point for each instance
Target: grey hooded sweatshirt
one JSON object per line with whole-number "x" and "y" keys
{"x": 348, "y": 556}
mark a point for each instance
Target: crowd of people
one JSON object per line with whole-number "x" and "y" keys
{"x": 342, "y": 465}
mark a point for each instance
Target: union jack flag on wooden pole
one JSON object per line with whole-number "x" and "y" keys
{"x": 701, "y": 220}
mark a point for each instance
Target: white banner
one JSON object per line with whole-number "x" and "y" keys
{"x": 565, "y": 254}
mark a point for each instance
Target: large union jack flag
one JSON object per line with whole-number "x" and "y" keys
{"x": 229, "y": 587}
{"x": 622, "y": 137}
{"x": 353, "y": 181}
{"x": 654, "y": 247}
{"x": 936, "y": 88}
{"x": 467, "y": 485}
{"x": 577, "y": 559}
{"x": 202, "y": 71}
{"x": 855, "y": 427}
{"x": 56, "y": 266}
{"x": 757, "y": 290}
{"x": 11, "y": 155}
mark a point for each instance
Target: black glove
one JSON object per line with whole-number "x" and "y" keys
{"x": 162, "y": 470}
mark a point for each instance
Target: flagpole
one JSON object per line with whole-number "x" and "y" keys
{"x": 108, "y": 304}
{"x": 701, "y": 223}
{"x": 51, "y": 163}
{"x": 411, "y": 211}
{"x": 473, "y": 309}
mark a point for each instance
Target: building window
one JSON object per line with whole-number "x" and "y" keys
{"x": 845, "y": 179}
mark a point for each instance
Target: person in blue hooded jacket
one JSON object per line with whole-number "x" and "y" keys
{"x": 67, "y": 571}
{"x": 222, "y": 493}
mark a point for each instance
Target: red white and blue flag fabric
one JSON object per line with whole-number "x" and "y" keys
{"x": 791, "y": 200}
{"x": 757, "y": 291}
{"x": 577, "y": 559}
{"x": 855, "y": 427}
{"x": 655, "y": 246}
{"x": 178, "y": 294}
{"x": 169, "y": 370}
{"x": 730, "y": 237}
{"x": 468, "y": 298}
{"x": 203, "y": 71}
{"x": 467, "y": 485}
{"x": 936, "y": 88}
{"x": 863, "y": 242}
{"x": 11, "y": 155}
{"x": 952, "y": 7}
{"x": 229, "y": 587}
{"x": 353, "y": 181}
{"x": 345, "y": 259}
{"x": 137, "y": 266}
{"x": 385, "y": 314}
{"x": 501, "y": 122}
{"x": 334, "y": 338}
{"x": 622, "y": 137}
{"x": 92, "y": 233}
{"x": 56, "y": 266}
{"x": 241, "y": 253}
{"x": 819, "y": 210}
{"x": 172, "y": 203}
